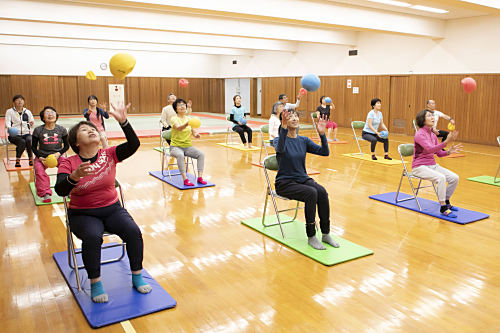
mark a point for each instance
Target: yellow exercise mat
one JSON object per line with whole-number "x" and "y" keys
{"x": 380, "y": 159}
{"x": 238, "y": 146}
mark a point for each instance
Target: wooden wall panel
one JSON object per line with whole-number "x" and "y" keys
{"x": 5, "y": 94}
{"x": 401, "y": 115}
{"x": 271, "y": 89}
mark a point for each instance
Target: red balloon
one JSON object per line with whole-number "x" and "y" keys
{"x": 469, "y": 84}
{"x": 302, "y": 91}
{"x": 183, "y": 83}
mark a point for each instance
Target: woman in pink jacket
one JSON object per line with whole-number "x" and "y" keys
{"x": 424, "y": 165}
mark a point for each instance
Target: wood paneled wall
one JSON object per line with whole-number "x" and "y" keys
{"x": 476, "y": 114}
{"x": 68, "y": 94}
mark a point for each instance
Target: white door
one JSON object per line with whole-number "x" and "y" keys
{"x": 237, "y": 87}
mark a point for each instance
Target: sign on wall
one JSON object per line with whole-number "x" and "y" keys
{"x": 116, "y": 94}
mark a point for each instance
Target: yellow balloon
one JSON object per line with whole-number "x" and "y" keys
{"x": 121, "y": 64}
{"x": 451, "y": 127}
{"x": 194, "y": 122}
{"x": 51, "y": 161}
{"x": 90, "y": 75}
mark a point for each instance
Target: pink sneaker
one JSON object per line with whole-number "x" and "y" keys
{"x": 47, "y": 198}
{"x": 187, "y": 182}
{"x": 201, "y": 181}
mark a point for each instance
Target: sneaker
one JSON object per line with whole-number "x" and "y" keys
{"x": 448, "y": 213}
{"x": 30, "y": 162}
{"x": 47, "y": 198}
{"x": 387, "y": 157}
{"x": 18, "y": 164}
{"x": 335, "y": 139}
{"x": 374, "y": 157}
{"x": 187, "y": 182}
{"x": 453, "y": 208}
{"x": 201, "y": 181}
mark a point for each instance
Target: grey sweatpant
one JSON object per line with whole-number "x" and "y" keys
{"x": 180, "y": 152}
{"x": 439, "y": 176}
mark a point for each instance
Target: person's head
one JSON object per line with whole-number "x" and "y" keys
{"x": 180, "y": 106}
{"x": 92, "y": 99}
{"x": 171, "y": 98}
{"x": 277, "y": 108}
{"x": 83, "y": 134}
{"x": 237, "y": 100}
{"x": 49, "y": 115}
{"x": 322, "y": 100}
{"x": 18, "y": 101}
{"x": 283, "y": 98}
{"x": 431, "y": 104}
{"x": 293, "y": 119}
{"x": 424, "y": 118}
{"x": 376, "y": 104}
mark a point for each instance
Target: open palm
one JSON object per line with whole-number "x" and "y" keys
{"x": 119, "y": 112}
{"x": 321, "y": 126}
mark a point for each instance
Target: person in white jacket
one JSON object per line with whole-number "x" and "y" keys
{"x": 274, "y": 120}
{"x": 22, "y": 120}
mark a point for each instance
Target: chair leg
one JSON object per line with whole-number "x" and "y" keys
{"x": 399, "y": 187}
{"x": 357, "y": 141}
{"x": 496, "y": 174}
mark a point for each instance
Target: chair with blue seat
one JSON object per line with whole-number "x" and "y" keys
{"x": 406, "y": 150}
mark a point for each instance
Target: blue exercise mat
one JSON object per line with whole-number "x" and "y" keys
{"x": 430, "y": 207}
{"x": 177, "y": 180}
{"x": 124, "y": 301}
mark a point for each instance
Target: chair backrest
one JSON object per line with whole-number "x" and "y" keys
{"x": 314, "y": 115}
{"x": 415, "y": 125}
{"x": 405, "y": 149}
{"x": 498, "y": 140}
{"x": 167, "y": 135}
{"x": 357, "y": 124}
{"x": 264, "y": 128}
{"x": 271, "y": 163}
{"x": 228, "y": 117}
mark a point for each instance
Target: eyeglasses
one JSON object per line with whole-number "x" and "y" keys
{"x": 49, "y": 112}
{"x": 181, "y": 105}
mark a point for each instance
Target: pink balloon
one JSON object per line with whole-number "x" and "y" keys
{"x": 183, "y": 83}
{"x": 302, "y": 91}
{"x": 469, "y": 84}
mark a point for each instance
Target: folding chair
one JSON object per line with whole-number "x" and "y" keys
{"x": 357, "y": 124}
{"x": 264, "y": 143}
{"x": 407, "y": 150}
{"x": 415, "y": 125}
{"x": 271, "y": 163}
{"x": 8, "y": 144}
{"x": 495, "y": 179}
{"x": 314, "y": 116}
{"x": 229, "y": 131}
{"x": 72, "y": 252}
{"x": 165, "y": 156}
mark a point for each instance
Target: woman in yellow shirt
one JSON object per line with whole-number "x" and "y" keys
{"x": 181, "y": 145}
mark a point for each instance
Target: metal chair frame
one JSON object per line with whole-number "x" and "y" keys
{"x": 415, "y": 125}
{"x": 498, "y": 170}
{"x": 264, "y": 143}
{"x": 7, "y": 143}
{"x": 165, "y": 156}
{"x": 229, "y": 132}
{"x": 356, "y": 137}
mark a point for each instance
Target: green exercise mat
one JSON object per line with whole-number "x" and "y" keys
{"x": 485, "y": 180}
{"x": 296, "y": 238}
{"x": 39, "y": 201}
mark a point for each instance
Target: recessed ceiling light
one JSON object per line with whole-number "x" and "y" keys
{"x": 487, "y": 3}
{"x": 430, "y": 9}
{"x": 392, "y": 2}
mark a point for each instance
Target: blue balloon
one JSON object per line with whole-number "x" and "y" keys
{"x": 13, "y": 131}
{"x": 310, "y": 82}
{"x": 384, "y": 134}
{"x": 328, "y": 100}
{"x": 243, "y": 121}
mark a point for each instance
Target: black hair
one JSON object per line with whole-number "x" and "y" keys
{"x": 374, "y": 101}
{"x": 290, "y": 112}
{"x": 16, "y": 97}
{"x": 42, "y": 113}
{"x": 321, "y": 99}
{"x": 73, "y": 132}
{"x": 428, "y": 101}
{"x": 282, "y": 96}
{"x": 177, "y": 101}
{"x": 234, "y": 99}
{"x": 92, "y": 97}
{"x": 420, "y": 118}
{"x": 275, "y": 107}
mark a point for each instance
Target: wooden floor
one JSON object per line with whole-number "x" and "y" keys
{"x": 426, "y": 274}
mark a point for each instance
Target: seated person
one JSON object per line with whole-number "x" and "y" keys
{"x": 237, "y": 115}
{"x": 21, "y": 119}
{"x": 274, "y": 120}
{"x": 370, "y": 131}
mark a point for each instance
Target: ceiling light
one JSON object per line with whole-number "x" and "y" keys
{"x": 392, "y": 2}
{"x": 430, "y": 9}
{"x": 487, "y": 3}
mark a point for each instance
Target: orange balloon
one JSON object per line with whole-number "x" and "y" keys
{"x": 469, "y": 84}
{"x": 183, "y": 83}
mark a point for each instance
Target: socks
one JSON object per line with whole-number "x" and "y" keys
{"x": 97, "y": 293}
{"x": 450, "y": 207}
{"x": 374, "y": 157}
{"x": 139, "y": 284}
{"x": 315, "y": 243}
{"x": 387, "y": 157}
{"x": 187, "y": 182}
{"x": 201, "y": 181}
{"x": 46, "y": 198}
{"x": 329, "y": 240}
{"x": 446, "y": 211}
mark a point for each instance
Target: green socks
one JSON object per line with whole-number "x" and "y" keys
{"x": 139, "y": 284}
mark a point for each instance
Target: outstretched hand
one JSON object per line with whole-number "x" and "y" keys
{"x": 119, "y": 112}
{"x": 321, "y": 126}
{"x": 455, "y": 149}
{"x": 285, "y": 116}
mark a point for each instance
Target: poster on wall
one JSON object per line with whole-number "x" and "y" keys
{"x": 116, "y": 94}
{"x": 355, "y": 90}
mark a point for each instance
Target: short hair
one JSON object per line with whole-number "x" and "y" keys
{"x": 171, "y": 94}
{"x": 234, "y": 99}
{"x": 282, "y": 96}
{"x": 42, "y": 113}
{"x": 428, "y": 101}
{"x": 72, "y": 134}
{"x": 275, "y": 107}
{"x": 92, "y": 97}
{"x": 374, "y": 101}
{"x": 321, "y": 99}
{"x": 177, "y": 101}
{"x": 17, "y": 96}
{"x": 420, "y": 118}
{"x": 290, "y": 112}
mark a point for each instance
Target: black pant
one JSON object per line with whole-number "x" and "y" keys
{"x": 443, "y": 135}
{"x": 242, "y": 129}
{"x": 89, "y": 225}
{"x": 22, "y": 142}
{"x": 312, "y": 194}
{"x": 373, "y": 138}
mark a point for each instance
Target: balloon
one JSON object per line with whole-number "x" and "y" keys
{"x": 121, "y": 64}
{"x": 451, "y": 127}
{"x": 13, "y": 131}
{"x": 183, "y": 83}
{"x": 469, "y": 84}
{"x": 328, "y": 100}
{"x": 243, "y": 121}
{"x": 302, "y": 91}
{"x": 51, "y": 161}
{"x": 90, "y": 75}
{"x": 310, "y": 82}
{"x": 384, "y": 134}
{"x": 194, "y": 122}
